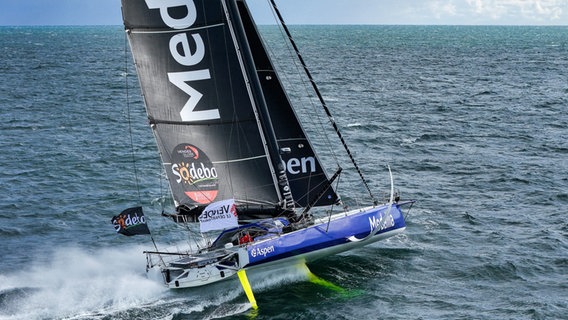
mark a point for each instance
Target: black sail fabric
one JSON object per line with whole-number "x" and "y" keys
{"x": 200, "y": 107}
{"x": 306, "y": 176}
{"x": 130, "y": 222}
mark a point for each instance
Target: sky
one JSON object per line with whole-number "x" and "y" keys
{"x": 416, "y": 12}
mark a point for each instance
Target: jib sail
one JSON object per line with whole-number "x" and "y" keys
{"x": 306, "y": 176}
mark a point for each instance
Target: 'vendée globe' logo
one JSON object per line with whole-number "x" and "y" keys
{"x": 194, "y": 173}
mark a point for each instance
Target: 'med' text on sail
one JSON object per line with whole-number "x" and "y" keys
{"x": 186, "y": 58}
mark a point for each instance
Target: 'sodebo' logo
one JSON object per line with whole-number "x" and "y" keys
{"x": 194, "y": 173}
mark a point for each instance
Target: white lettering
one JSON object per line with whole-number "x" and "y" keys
{"x": 185, "y": 57}
{"x": 187, "y": 113}
{"x": 382, "y": 223}
{"x": 128, "y": 222}
{"x": 312, "y": 162}
{"x": 302, "y": 165}
{"x": 175, "y": 23}
{"x": 176, "y": 173}
{"x": 202, "y": 172}
{"x": 261, "y": 251}
{"x": 292, "y": 164}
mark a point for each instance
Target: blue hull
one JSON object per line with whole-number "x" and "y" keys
{"x": 273, "y": 247}
{"x": 342, "y": 232}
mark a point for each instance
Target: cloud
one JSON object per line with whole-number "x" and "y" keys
{"x": 551, "y": 9}
{"x": 459, "y": 12}
{"x": 537, "y": 10}
{"x": 443, "y": 8}
{"x": 502, "y": 11}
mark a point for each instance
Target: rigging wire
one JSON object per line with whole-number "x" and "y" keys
{"x": 132, "y": 153}
{"x": 320, "y": 128}
{"x": 331, "y": 209}
{"x": 321, "y": 99}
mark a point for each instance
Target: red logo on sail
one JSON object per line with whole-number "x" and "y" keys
{"x": 194, "y": 173}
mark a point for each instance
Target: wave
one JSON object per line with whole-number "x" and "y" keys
{"x": 76, "y": 283}
{"x": 110, "y": 283}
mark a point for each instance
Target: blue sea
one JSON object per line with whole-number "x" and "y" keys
{"x": 473, "y": 121}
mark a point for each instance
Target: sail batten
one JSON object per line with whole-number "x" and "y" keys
{"x": 157, "y": 31}
{"x": 240, "y": 160}
{"x": 193, "y": 123}
{"x": 227, "y": 161}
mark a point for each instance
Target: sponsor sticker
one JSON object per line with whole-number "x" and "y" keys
{"x": 261, "y": 252}
{"x": 194, "y": 173}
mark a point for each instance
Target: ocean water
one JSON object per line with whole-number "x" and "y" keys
{"x": 472, "y": 120}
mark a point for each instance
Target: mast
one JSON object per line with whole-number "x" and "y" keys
{"x": 264, "y": 117}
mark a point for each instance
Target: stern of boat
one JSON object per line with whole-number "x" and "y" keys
{"x": 193, "y": 270}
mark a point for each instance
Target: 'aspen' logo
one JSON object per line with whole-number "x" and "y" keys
{"x": 261, "y": 252}
{"x": 180, "y": 49}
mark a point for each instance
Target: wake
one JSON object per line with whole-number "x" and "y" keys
{"x": 78, "y": 282}
{"x": 81, "y": 283}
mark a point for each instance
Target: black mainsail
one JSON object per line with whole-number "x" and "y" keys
{"x": 223, "y": 124}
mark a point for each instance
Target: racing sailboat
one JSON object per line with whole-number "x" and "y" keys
{"x": 237, "y": 159}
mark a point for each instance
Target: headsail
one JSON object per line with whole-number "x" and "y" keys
{"x": 305, "y": 173}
